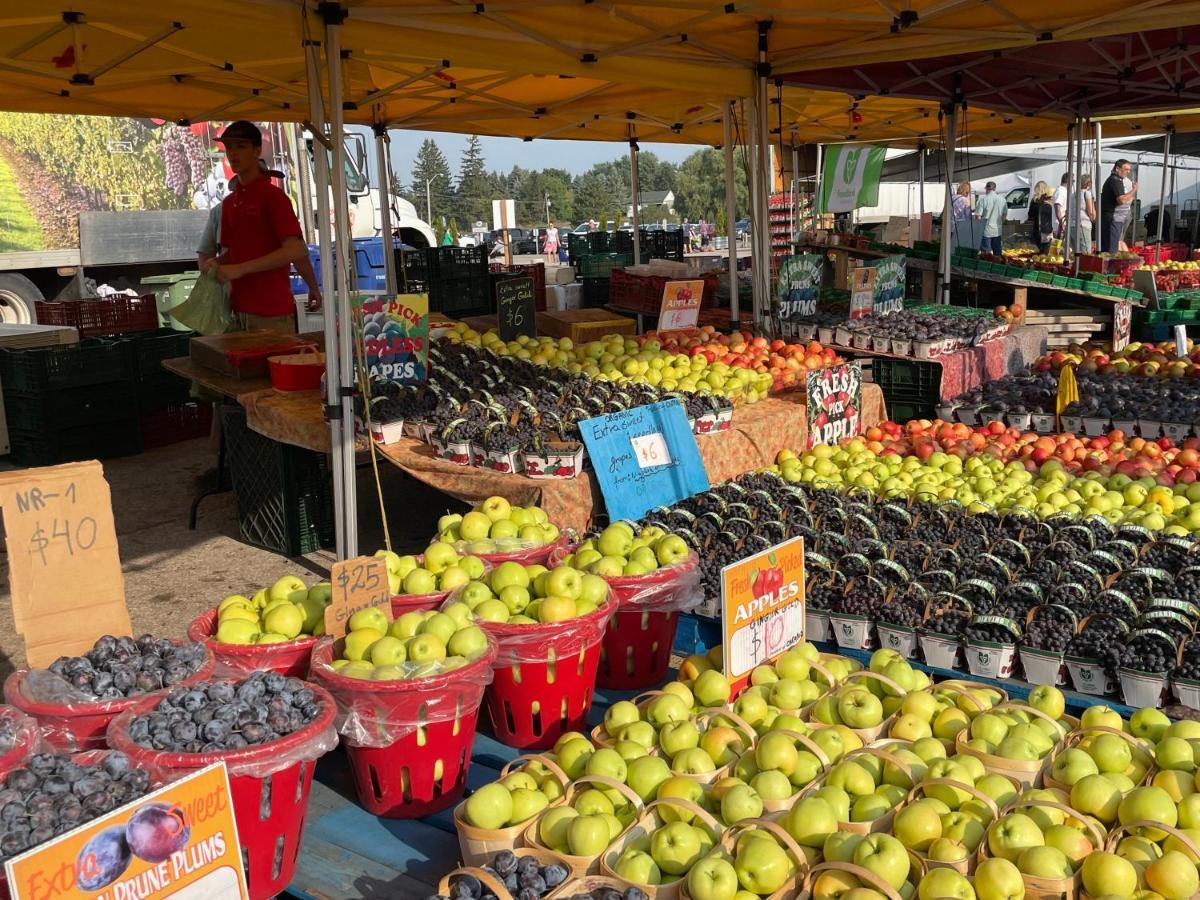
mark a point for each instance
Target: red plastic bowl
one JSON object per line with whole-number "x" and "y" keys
{"x": 237, "y": 660}
{"x": 82, "y": 726}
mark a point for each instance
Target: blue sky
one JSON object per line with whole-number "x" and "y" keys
{"x": 501, "y": 154}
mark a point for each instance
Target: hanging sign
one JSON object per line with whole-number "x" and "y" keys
{"x": 1143, "y": 280}
{"x": 850, "y": 177}
{"x": 680, "y": 309}
{"x": 762, "y": 607}
{"x": 515, "y": 308}
{"x": 888, "y": 296}
{"x": 1122, "y": 318}
{"x": 395, "y": 337}
{"x": 356, "y": 584}
{"x": 862, "y": 291}
{"x": 644, "y": 457}
{"x": 796, "y": 292}
{"x": 58, "y": 525}
{"x": 179, "y": 841}
{"x": 834, "y": 403}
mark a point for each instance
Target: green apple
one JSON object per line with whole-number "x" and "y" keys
{"x": 1044, "y": 862}
{"x": 1106, "y": 874}
{"x": 527, "y": 803}
{"x": 692, "y": 761}
{"x": 508, "y": 573}
{"x": 357, "y": 644}
{"x": 762, "y": 866}
{"x": 489, "y": 807}
{"x": 608, "y": 762}
{"x": 1149, "y": 723}
{"x": 712, "y": 878}
{"x": 387, "y": 651}
{"x": 675, "y": 847}
{"x": 641, "y": 733}
{"x": 1096, "y": 795}
{"x": 645, "y": 774}
{"x": 615, "y": 540}
{"x": 670, "y": 549}
{"x": 1173, "y": 876}
{"x": 1071, "y": 765}
{"x": 473, "y": 565}
{"x": 235, "y": 600}
{"x": 1149, "y": 804}
{"x": 722, "y": 744}
{"x": 918, "y": 825}
{"x": 438, "y": 557}
{"x": 1175, "y": 753}
{"x": 440, "y": 626}
{"x": 841, "y": 846}
{"x": 740, "y": 802}
{"x": 772, "y": 786}
{"x": 588, "y": 835}
{"x": 870, "y": 808}
{"x": 564, "y": 581}
{"x": 475, "y": 593}
{"x": 884, "y": 855}
{"x": 1070, "y": 842}
{"x": 1048, "y": 699}
{"x": 406, "y": 626}
{"x": 998, "y": 879}
{"x": 947, "y": 850}
{"x": 443, "y": 523}
{"x": 452, "y": 577}
{"x": 675, "y": 737}
{"x": 495, "y": 508}
{"x": 1111, "y": 753}
{"x": 944, "y": 884}
{"x": 469, "y": 642}
{"x": 1100, "y": 715}
{"x": 371, "y": 618}
{"x": 505, "y": 528}
{"x": 711, "y": 689}
{"x": 237, "y": 631}
{"x": 639, "y": 867}
{"x": 289, "y": 587}
{"x": 553, "y": 826}
{"x": 860, "y": 709}
{"x": 425, "y": 648}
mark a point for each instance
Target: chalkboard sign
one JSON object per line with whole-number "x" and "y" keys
{"x": 644, "y": 457}
{"x": 515, "y": 308}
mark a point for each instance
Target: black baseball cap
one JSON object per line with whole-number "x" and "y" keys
{"x": 241, "y": 130}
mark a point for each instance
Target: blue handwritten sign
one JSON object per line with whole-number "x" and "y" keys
{"x": 644, "y": 457}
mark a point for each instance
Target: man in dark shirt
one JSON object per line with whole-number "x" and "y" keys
{"x": 1116, "y": 206}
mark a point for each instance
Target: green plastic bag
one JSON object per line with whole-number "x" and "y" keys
{"x": 206, "y": 310}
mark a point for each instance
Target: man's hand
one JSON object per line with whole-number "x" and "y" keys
{"x": 313, "y": 304}
{"x": 228, "y": 273}
{"x": 1133, "y": 190}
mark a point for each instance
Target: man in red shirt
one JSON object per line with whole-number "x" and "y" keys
{"x": 261, "y": 236}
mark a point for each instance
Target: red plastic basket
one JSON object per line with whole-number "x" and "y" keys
{"x": 269, "y": 810}
{"x": 537, "y": 556}
{"x": 532, "y": 704}
{"x": 288, "y": 657}
{"x": 406, "y": 603}
{"x": 401, "y": 781}
{"x": 175, "y": 423}
{"x": 296, "y": 376}
{"x": 100, "y": 315}
{"x": 82, "y": 726}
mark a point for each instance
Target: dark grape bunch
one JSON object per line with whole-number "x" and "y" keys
{"x": 949, "y": 620}
{"x": 862, "y": 597}
{"x": 227, "y": 715}
{"x": 1187, "y": 584}
{"x": 1060, "y": 552}
{"x": 934, "y": 580}
{"x": 51, "y": 795}
{"x": 1189, "y": 667}
{"x": 912, "y": 555}
{"x": 1018, "y": 598}
{"x": 1102, "y": 562}
{"x": 1166, "y": 555}
{"x": 1125, "y": 551}
{"x": 905, "y": 612}
{"x": 827, "y": 592}
{"x": 979, "y": 629}
{"x": 1043, "y": 574}
{"x": 1146, "y": 651}
{"x": 1101, "y": 639}
{"x": 1111, "y": 604}
{"x": 1012, "y": 552}
{"x": 1052, "y": 628}
{"x": 853, "y": 565}
{"x": 945, "y": 558}
{"x": 124, "y": 667}
{"x": 522, "y": 876}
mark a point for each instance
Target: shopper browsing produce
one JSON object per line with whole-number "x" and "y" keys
{"x": 1116, "y": 207}
{"x": 991, "y": 211}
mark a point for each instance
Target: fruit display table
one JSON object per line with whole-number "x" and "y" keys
{"x": 759, "y": 432}
{"x": 225, "y": 385}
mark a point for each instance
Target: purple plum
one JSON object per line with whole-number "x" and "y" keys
{"x": 156, "y": 831}
{"x": 102, "y": 860}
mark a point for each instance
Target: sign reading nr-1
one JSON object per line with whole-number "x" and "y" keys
{"x": 762, "y": 608}
{"x": 515, "y": 308}
{"x": 357, "y": 584}
{"x": 680, "y": 309}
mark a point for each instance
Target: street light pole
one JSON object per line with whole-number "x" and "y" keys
{"x": 428, "y": 203}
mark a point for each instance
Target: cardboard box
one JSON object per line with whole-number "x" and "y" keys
{"x": 582, "y": 325}
{"x": 242, "y": 354}
{"x": 564, "y": 296}
{"x": 559, "y": 275}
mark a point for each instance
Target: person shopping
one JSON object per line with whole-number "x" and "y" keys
{"x": 992, "y": 210}
{"x": 960, "y": 209}
{"x": 1116, "y": 207}
{"x": 550, "y": 248}
{"x": 1087, "y": 215}
{"x": 1041, "y": 217}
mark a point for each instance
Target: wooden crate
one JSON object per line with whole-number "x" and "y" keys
{"x": 582, "y": 325}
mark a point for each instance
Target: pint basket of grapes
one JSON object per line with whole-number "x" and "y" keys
{"x": 408, "y": 740}
{"x": 270, "y": 770}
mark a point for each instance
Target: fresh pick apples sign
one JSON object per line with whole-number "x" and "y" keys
{"x": 394, "y": 332}
{"x": 834, "y": 403}
{"x": 762, "y": 606}
{"x": 179, "y": 841}
{"x": 1122, "y": 319}
{"x": 358, "y": 585}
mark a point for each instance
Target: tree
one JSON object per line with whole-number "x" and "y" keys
{"x": 595, "y": 197}
{"x": 655, "y": 174}
{"x": 431, "y": 167}
{"x": 474, "y": 193}
{"x": 700, "y": 187}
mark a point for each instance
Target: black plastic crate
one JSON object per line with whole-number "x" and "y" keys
{"x": 588, "y": 243}
{"x": 905, "y": 410}
{"x": 91, "y": 361}
{"x": 595, "y": 292}
{"x": 49, "y": 411}
{"x": 908, "y": 379}
{"x": 600, "y": 265}
{"x": 161, "y": 390}
{"x": 176, "y": 422}
{"x": 106, "y": 440}
{"x": 284, "y": 493}
{"x": 151, "y": 348}
{"x": 412, "y": 271}
{"x": 654, "y": 244}
{"x": 458, "y": 297}
{"x": 456, "y": 262}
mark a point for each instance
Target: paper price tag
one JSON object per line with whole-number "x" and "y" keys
{"x": 680, "y": 309}
{"x": 651, "y": 450}
{"x": 1181, "y": 340}
{"x": 60, "y": 535}
{"x": 394, "y": 334}
{"x": 762, "y": 607}
{"x": 358, "y": 584}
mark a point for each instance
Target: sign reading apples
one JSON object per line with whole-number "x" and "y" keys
{"x": 179, "y": 841}
{"x": 359, "y": 588}
{"x": 394, "y": 334}
{"x": 834, "y": 403}
{"x": 799, "y": 283}
{"x": 1122, "y": 318}
{"x": 680, "y": 309}
{"x": 762, "y": 607}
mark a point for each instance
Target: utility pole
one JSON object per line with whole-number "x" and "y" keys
{"x": 547, "y": 195}
{"x": 428, "y": 202}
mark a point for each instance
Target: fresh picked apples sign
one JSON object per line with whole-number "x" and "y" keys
{"x": 762, "y": 607}
{"x": 394, "y": 337}
{"x": 179, "y": 841}
{"x": 799, "y": 283}
{"x": 834, "y": 403}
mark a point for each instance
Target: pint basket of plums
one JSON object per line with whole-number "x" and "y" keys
{"x": 548, "y": 625}
{"x": 75, "y": 698}
{"x": 408, "y": 694}
{"x": 268, "y": 729}
{"x": 496, "y": 531}
{"x": 524, "y": 874}
{"x": 654, "y": 577}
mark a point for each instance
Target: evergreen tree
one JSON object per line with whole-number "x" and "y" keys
{"x": 431, "y": 167}
{"x": 475, "y": 190}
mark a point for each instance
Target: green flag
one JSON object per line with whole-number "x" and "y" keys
{"x": 850, "y": 178}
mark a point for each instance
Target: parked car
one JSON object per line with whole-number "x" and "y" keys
{"x": 741, "y": 229}
{"x": 524, "y": 241}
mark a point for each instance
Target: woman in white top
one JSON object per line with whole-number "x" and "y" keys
{"x": 1087, "y": 215}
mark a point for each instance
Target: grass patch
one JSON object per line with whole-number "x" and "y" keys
{"x": 19, "y": 230}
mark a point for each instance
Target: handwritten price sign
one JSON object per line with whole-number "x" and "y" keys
{"x": 680, "y": 309}
{"x": 762, "y": 606}
{"x": 515, "y": 308}
{"x": 357, "y": 584}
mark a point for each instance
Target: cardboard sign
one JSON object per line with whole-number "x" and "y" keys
{"x": 762, "y": 608}
{"x": 64, "y": 566}
{"x": 1143, "y": 280}
{"x": 109, "y": 859}
{"x": 1181, "y": 341}
{"x": 862, "y": 292}
{"x": 796, "y": 292}
{"x": 890, "y": 275}
{"x": 644, "y": 457}
{"x": 834, "y": 403}
{"x": 515, "y": 308}
{"x": 680, "y": 309}
{"x": 395, "y": 337}
{"x": 504, "y": 215}
{"x": 358, "y": 584}
{"x": 1122, "y": 318}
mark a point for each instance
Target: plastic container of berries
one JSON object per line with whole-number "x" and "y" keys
{"x": 269, "y": 782}
{"x": 408, "y": 740}
{"x": 235, "y": 660}
{"x": 78, "y": 725}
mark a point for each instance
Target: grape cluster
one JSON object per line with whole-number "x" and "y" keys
{"x": 1101, "y": 640}
{"x": 1148, "y": 652}
{"x": 124, "y": 667}
{"x": 1167, "y": 555}
{"x": 948, "y": 621}
{"x": 51, "y": 795}
{"x": 227, "y": 715}
{"x": 1051, "y": 629}
{"x": 905, "y": 612}
{"x": 523, "y": 877}
{"x": 862, "y": 598}
{"x": 1189, "y": 666}
{"x": 995, "y": 632}
{"x": 187, "y": 163}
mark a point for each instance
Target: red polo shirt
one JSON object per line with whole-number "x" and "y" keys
{"x": 255, "y": 220}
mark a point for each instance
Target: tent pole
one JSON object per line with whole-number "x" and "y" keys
{"x": 388, "y": 243}
{"x": 762, "y": 301}
{"x": 303, "y": 181}
{"x": 731, "y": 211}
{"x": 345, "y": 261}
{"x": 1071, "y": 179}
{"x": 1162, "y": 194}
{"x": 817, "y": 186}
{"x": 921, "y": 176}
{"x": 1097, "y": 184}
{"x": 633, "y": 181}
{"x": 948, "y": 208}
{"x": 756, "y": 224}
{"x": 793, "y": 219}
{"x": 325, "y": 245}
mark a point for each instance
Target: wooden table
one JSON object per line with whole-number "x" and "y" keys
{"x": 225, "y": 385}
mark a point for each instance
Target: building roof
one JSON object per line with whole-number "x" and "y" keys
{"x": 649, "y": 198}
